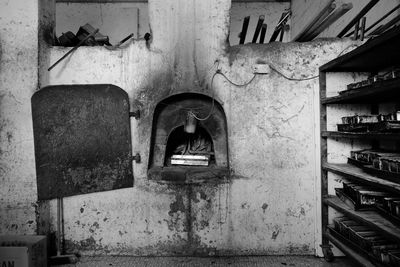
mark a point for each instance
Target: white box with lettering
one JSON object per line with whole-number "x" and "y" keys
{"x": 23, "y": 251}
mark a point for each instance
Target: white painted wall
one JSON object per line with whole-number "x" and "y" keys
{"x": 305, "y": 10}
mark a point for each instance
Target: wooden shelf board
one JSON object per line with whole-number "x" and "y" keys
{"x": 368, "y": 135}
{"x": 371, "y": 218}
{"x": 357, "y": 174}
{"x": 382, "y": 91}
{"x": 349, "y": 251}
{"x": 376, "y": 54}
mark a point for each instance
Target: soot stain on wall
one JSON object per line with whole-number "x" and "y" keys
{"x": 195, "y": 204}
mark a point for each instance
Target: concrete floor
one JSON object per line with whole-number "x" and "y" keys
{"x": 260, "y": 261}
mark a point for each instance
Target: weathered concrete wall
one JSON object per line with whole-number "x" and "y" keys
{"x": 304, "y": 11}
{"x": 270, "y": 204}
{"x": 18, "y": 81}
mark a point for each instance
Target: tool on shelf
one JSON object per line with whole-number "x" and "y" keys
{"x": 280, "y": 26}
{"x": 74, "y": 48}
{"x": 112, "y": 47}
{"x": 98, "y": 38}
{"x": 282, "y": 33}
{"x": 356, "y": 30}
{"x": 242, "y": 34}
{"x": 326, "y": 10}
{"x": 258, "y": 28}
{"x": 377, "y": 22}
{"x": 263, "y": 32}
{"x": 361, "y": 14}
{"x": 362, "y": 32}
{"x": 325, "y": 23}
{"x": 386, "y": 26}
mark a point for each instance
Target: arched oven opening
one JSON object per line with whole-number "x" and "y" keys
{"x": 189, "y": 140}
{"x": 190, "y": 149}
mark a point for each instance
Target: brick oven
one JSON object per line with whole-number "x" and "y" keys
{"x": 189, "y": 139}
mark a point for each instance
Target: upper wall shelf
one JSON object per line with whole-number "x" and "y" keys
{"x": 379, "y": 91}
{"x": 376, "y": 54}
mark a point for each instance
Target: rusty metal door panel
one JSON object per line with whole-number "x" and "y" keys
{"x": 82, "y": 139}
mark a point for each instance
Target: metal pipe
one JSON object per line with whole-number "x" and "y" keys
{"x": 111, "y": 47}
{"x": 378, "y": 21}
{"x": 258, "y": 28}
{"x": 326, "y": 10}
{"x": 363, "y": 20}
{"x": 281, "y": 34}
{"x": 263, "y": 32}
{"x": 243, "y": 33}
{"x": 58, "y": 226}
{"x": 317, "y": 22}
{"x": 62, "y": 241}
{"x": 361, "y": 14}
{"x": 387, "y": 25}
{"x": 284, "y": 19}
{"x": 73, "y": 49}
{"x": 376, "y": 30}
{"x": 356, "y": 29}
{"x": 331, "y": 18}
{"x": 60, "y": 258}
{"x": 277, "y": 29}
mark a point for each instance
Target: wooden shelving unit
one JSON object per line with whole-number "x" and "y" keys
{"x": 372, "y": 57}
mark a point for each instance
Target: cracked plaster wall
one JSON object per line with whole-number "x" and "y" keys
{"x": 18, "y": 81}
{"x": 270, "y": 204}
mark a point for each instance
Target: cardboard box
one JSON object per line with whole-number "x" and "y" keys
{"x": 14, "y": 256}
{"x": 23, "y": 251}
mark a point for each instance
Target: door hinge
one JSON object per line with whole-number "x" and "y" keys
{"x": 135, "y": 114}
{"x": 137, "y": 158}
